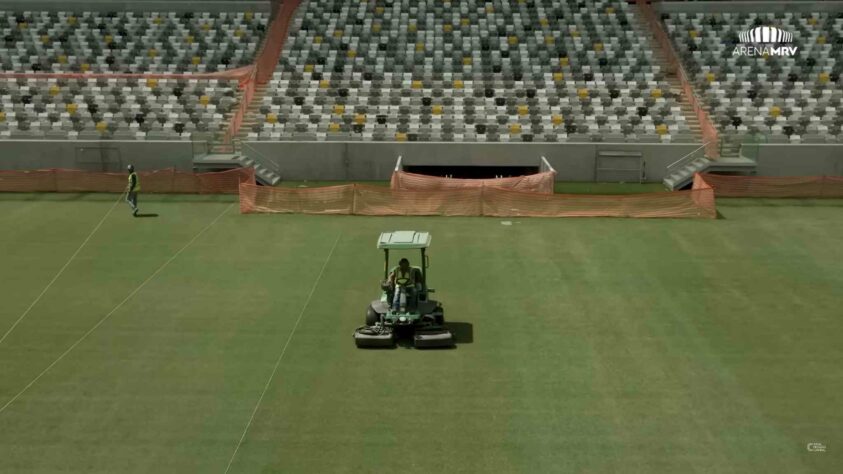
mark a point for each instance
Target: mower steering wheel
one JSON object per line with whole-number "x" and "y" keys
{"x": 402, "y": 282}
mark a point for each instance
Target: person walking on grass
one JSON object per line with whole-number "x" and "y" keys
{"x": 132, "y": 190}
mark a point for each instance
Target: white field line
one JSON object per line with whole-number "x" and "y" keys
{"x": 104, "y": 318}
{"x": 66, "y": 264}
{"x": 280, "y": 356}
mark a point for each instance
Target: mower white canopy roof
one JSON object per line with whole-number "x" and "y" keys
{"x": 404, "y": 239}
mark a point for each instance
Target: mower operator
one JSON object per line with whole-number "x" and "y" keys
{"x": 406, "y": 276}
{"x": 132, "y": 189}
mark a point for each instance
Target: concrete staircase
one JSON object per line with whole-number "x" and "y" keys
{"x": 252, "y": 115}
{"x": 682, "y": 174}
{"x": 660, "y": 58}
{"x": 227, "y": 161}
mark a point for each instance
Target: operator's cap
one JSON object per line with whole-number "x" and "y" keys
{"x": 130, "y": 167}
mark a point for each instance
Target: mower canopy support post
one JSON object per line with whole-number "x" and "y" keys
{"x": 385, "y": 264}
{"x": 424, "y": 266}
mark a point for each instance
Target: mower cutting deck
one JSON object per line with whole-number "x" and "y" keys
{"x": 415, "y": 316}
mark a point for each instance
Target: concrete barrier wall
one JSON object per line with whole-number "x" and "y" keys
{"x": 800, "y": 160}
{"x": 375, "y": 160}
{"x": 95, "y": 155}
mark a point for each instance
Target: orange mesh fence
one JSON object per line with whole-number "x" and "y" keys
{"x": 536, "y": 183}
{"x": 472, "y": 201}
{"x": 775, "y": 187}
{"x": 159, "y": 181}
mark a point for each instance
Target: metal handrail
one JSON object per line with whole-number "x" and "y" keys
{"x": 265, "y": 159}
{"x": 685, "y": 159}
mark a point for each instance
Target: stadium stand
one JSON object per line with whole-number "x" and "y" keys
{"x": 788, "y": 99}
{"x": 472, "y": 71}
{"x": 150, "y": 75}
{"x": 129, "y": 42}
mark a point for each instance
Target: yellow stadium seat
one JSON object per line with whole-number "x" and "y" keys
{"x": 400, "y": 137}
{"x": 575, "y": 34}
{"x": 412, "y": 27}
{"x": 490, "y": 8}
{"x": 360, "y": 119}
{"x": 661, "y": 129}
{"x": 84, "y": 67}
{"x": 351, "y": 54}
{"x": 23, "y": 25}
{"x": 467, "y": 61}
{"x": 205, "y": 26}
{"x": 339, "y": 109}
{"x": 379, "y": 10}
{"x": 338, "y": 33}
{"x": 458, "y": 84}
{"x": 62, "y": 59}
{"x": 523, "y": 110}
{"x": 308, "y": 68}
{"x": 271, "y": 118}
{"x": 512, "y": 40}
{"x": 2, "y": 116}
{"x": 204, "y": 100}
{"x": 812, "y": 21}
{"x": 436, "y": 110}
{"x": 563, "y": 62}
{"x": 248, "y": 16}
{"x": 45, "y": 39}
{"x": 152, "y": 52}
{"x": 610, "y": 10}
{"x": 656, "y": 93}
{"x": 598, "y": 46}
{"x": 820, "y": 39}
{"x": 157, "y": 20}
{"x": 71, "y": 108}
{"x": 543, "y": 21}
{"x": 824, "y": 77}
{"x": 419, "y": 47}
{"x": 324, "y": 84}
{"x": 775, "y": 111}
{"x": 238, "y": 33}
{"x": 317, "y": 39}
{"x": 710, "y": 77}
{"x": 196, "y": 60}
{"x": 152, "y": 82}
{"x": 102, "y": 126}
{"x": 465, "y": 22}
{"x": 557, "y": 119}
{"x": 417, "y": 84}
{"x": 334, "y": 127}
{"x": 71, "y": 20}
{"x": 376, "y": 28}
{"x": 582, "y": 93}
{"x": 549, "y": 39}
{"x": 558, "y": 76}
{"x": 447, "y": 28}
{"x": 109, "y": 38}
{"x": 54, "y": 90}
{"x": 515, "y": 129}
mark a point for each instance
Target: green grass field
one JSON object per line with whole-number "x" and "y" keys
{"x": 586, "y": 345}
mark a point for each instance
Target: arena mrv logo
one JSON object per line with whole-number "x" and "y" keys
{"x": 765, "y": 41}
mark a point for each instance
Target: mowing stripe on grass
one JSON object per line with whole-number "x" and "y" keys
{"x": 119, "y": 305}
{"x": 281, "y": 355}
{"x": 63, "y": 268}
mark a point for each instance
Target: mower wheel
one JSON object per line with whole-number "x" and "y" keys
{"x": 372, "y": 317}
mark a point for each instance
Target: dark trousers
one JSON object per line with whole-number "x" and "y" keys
{"x": 132, "y": 198}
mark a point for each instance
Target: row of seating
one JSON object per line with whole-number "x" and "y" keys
{"x": 128, "y": 42}
{"x": 476, "y": 70}
{"x": 787, "y": 98}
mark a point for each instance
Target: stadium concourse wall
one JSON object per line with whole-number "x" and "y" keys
{"x": 363, "y": 161}
{"x": 96, "y": 155}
